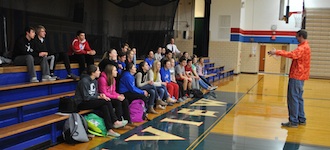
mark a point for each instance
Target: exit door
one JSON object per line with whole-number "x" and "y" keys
{"x": 262, "y": 57}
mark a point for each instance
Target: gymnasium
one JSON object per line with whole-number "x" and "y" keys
{"x": 233, "y": 37}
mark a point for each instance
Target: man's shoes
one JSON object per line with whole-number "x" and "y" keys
{"x": 54, "y": 77}
{"x": 47, "y": 78}
{"x": 302, "y": 123}
{"x": 72, "y": 76}
{"x": 34, "y": 80}
{"x": 180, "y": 100}
{"x": 289, "y": 124}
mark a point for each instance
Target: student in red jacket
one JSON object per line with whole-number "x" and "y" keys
{"x": 107, "y": 86}
{"x": 81, "y": 52}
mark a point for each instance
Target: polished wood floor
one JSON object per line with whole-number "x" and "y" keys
{"x": 259, "y": 113}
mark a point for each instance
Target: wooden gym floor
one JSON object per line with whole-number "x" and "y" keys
{"x": 244, "y": 113}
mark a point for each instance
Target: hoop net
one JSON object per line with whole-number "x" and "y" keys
{"x": 298, "y": 20}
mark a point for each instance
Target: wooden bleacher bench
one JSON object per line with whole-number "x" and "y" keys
{"x": 14, "y": 69}
{"x": 32, "y": 124}
{"x": 226, "y": 72}
{"x": 31, "y": 101}
{"x": 28, "y": 84}
{"x": 212, "y": 75}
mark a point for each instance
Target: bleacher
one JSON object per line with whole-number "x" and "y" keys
{"x": 214, "y": 73}
{"x": 28, "y": 110}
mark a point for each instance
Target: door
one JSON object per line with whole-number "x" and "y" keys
{"x": 198, "y": 37}
{"x": 262, "y": 57}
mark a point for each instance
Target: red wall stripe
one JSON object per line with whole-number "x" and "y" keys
{"x": 262, "y": 32}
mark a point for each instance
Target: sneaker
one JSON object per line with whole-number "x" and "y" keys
{"x": 47, "y": 78}
{"x": 34, "y": 80}
{"x": 123, "y": 123}
{"x": 184, "y": 97}
{"x": 191, "y": 95}
{"x": 302, "y": 123}
{"x": 72, "y": 76}
{"x": 54, "y": 77}
{"x": 160, "y": 107}
{"x": 180, "y": 100}
{"x": 160, "y": 102}
{"x": 114, "y": 134}
{"x": 289, "y": 124}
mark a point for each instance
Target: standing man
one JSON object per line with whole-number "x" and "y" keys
{"x": 172, "y": 47}
{"x": 81, "y": 52}
{"x": 299, "y": 72}
{"x": 24, "y": 54}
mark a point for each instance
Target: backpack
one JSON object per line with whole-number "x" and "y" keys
{"x": 197, "y": 93}
{"x": 75, "y": 129}
{"x": 137, "y": 110}
{"x": 96, "y": 125}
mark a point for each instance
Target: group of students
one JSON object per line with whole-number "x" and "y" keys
{"x": 119, "y": 83}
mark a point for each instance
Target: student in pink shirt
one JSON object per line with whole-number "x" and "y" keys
{"x": 107, "y": 86}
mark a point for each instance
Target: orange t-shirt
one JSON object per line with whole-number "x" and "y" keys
{"x": 301, "y": 60}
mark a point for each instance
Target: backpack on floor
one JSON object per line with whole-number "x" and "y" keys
{"x": 96, "y": 125}
{"x": 197, "y": 93}
{"x": 137, "y": 110}
{"x": 75, "y": 129}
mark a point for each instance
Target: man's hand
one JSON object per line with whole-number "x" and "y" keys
{"x": 272, "y": 52}
{"x": 43, "y": 54}
{"x": 92, "y": 52}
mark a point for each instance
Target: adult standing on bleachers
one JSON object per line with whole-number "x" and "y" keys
{"x": 87, "y": 97}
{"x": 24, "y": 54}
{"x": 173, "y": 48}
{"x": 81, "y": 52}
{"x": 299, "y": 72}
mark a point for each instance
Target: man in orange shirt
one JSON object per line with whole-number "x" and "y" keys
{"x": 299, "y": 72}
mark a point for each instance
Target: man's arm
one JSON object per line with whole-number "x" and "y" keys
{"x": 295, "y": 54}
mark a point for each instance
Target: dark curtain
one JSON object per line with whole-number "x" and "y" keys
{"x": 145, "y": 41}
{"x": 206, "y": 35}
{"x": 150, "y": 25}
{"x": 132, "y": 3}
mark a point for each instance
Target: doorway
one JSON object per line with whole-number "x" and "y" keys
{"x": 262, "y": 58}
{"x": 273, "y": 64}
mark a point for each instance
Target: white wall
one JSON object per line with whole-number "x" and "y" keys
{"x": 224, "y": 7}
{"x": 317, "y": 3}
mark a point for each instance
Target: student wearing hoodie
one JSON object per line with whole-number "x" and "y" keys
{"x": 87, "y": 97}
{"x": 107, "y": 86}
{"x": 127, "y": 85}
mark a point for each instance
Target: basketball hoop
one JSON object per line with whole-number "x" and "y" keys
{"x": 298, "y": 19}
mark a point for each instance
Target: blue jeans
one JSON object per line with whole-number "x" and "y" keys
{"x": 162, "y": 92}
{"x": 203, "y": 84}
{"x": 295, "y": 101}
{"x": 153, "y": 93}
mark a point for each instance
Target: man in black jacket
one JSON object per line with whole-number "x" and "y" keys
{"x": 24, "y": 54}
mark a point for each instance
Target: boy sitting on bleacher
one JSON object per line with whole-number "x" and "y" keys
{"x": 24, "y": 54}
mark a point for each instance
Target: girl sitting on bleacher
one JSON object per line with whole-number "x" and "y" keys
{"x": 107, "y": 86}
{"x": 87, "y": 97}
{"x": 200, "y": 70}
{"x": 154, "y": 76}
{"x": 171, "y": 85}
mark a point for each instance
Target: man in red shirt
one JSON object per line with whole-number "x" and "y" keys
{"x": 81, "y": 52}
{"x": 299, "y": 72}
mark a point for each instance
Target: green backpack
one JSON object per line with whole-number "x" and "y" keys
{"x": 96, "y": 125}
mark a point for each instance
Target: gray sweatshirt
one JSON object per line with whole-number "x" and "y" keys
{"x": 86, "y": 90}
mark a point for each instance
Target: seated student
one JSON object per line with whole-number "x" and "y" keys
{"x": 195, "y": 76}
{"x": 81, "y": 52}
{"x": 200, "y": 71}
{"x": 121, "y": 62}
{"x": 143, "y": 83}
{"x": 128, "y": 88}
{"x": 134, "y": 57}
{"x": 87, "y": 97}
{"x": 154, "y": 76}
{"x": 171, "y": 85}
{"x": 158, "y": 54}
{"x": 182, "y": 77}
{"x": 107, "y": 86}
{"x": 109, "y": 58}
{"x": 150, "y": 59}
{"x": 163, "y": 52}
{"x": 168, "y": 56}
{"x": 129, "y": 57}
{"x": 24, "y": 54}
{"x": 182, "y": 96}
{"x": 191, "y": 74}
{"x": 41, "y": 46}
